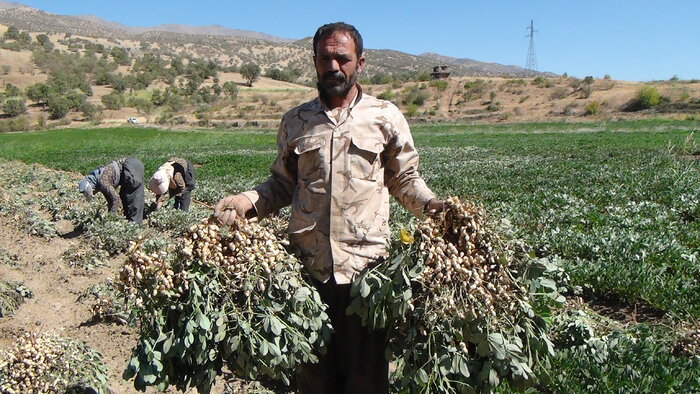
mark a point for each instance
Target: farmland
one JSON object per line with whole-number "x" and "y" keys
{"x": 614, "y": 205}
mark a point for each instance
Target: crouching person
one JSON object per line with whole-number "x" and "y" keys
{"x": 176, "y": 177}
{"x": 125, "y": 174}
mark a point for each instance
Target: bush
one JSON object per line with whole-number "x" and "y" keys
{"x": 559, "y": 93}
{"x": 411, "y": 110}
{"x": 387, "y": 95}
{"x": 14, "y": 106}
{"x": 542, "y": 82}
{"x": 380, "y": 79}
{"x": 648, "y": 97}
{"x": 592, "y": 108}
{"x": 416, "y": 96}
{"x": 58, "y": 106}
{"x": 113, "y": 100}
{"x": 440, "y": 85}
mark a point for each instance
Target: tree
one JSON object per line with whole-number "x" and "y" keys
{"x": 14, "y": 106}
{"x": 45, "y": 42}
{"x": 230, "y": 89}
{"x": 113, "y": 100}
{"x": 39, "y": 92}
{"x": 12, "y": 90}
{"x": 120, "y": 56}
{"x": 250, "y": 72}
{"x": 58, "y": 106}
{"x": 75, "y": 98}
{"x": 12, "y": 33}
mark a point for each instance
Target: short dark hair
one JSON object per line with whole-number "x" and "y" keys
{"x": 329, "y": 28}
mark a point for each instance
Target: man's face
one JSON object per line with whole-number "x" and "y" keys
{"x": 337, "y": 64}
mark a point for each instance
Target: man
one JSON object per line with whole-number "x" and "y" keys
{"x": 176, "y": 177}
{"x": 127, "y": 174}
{"x": 339, "y": 158}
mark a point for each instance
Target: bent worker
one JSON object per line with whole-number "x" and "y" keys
{"x": 127, "y": 174}
{"x": 176, "y": 177}
{"x": 339, "y": 158}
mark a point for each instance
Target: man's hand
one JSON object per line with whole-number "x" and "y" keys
{"x": 230, "y": 208}
{"x": 434, "y": 206}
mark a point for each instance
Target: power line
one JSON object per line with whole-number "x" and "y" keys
{"x": 531, "y": 63}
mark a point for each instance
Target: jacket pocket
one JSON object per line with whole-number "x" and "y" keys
{"x": 364, "y": 158}
{"x": 309, "y": 153}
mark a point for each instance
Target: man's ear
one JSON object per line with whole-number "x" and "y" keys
{"x": 361, "y": 63}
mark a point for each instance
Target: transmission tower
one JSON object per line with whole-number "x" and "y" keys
{"x": 531, "y": 63}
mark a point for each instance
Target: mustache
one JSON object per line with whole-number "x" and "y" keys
{"x": 333, "y": 75}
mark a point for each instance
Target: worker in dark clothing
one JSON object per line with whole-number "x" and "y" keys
{"x": 127, "y": 174}
{"x": 176, "y": 177}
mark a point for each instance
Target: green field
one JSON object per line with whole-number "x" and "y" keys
{"x": 616, "y": 205}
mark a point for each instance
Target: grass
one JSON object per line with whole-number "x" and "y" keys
{"x": 607, "y": 199}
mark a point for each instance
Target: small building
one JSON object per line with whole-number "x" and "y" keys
{"x": 440, "y": 72}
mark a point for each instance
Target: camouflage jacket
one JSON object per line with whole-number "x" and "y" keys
{"x": 180, "y": 178}
{"x": 108, "y": 182}
{"x": 337, "y": 169}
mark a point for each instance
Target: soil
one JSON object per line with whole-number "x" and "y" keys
{"x": 55, "y": 304}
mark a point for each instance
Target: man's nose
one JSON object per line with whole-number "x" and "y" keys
{"x": 333, "y": 65}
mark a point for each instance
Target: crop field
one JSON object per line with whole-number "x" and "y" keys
{"x": 614, "y": 207}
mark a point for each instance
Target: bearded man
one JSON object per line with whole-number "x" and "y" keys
{"x": 339, "y": 157}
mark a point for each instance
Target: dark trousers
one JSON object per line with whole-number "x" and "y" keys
{"x": 355, "y": 361}
{"x": 131, "y": 190}
{"x": 182, "y": 202}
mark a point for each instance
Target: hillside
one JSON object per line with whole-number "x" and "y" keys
{"x": 183, "y": 79}
{"x": 224, "y": 40}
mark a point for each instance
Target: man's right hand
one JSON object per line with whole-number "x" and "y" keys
{"x": 230, "y": 208}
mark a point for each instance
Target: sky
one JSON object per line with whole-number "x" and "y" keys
{"x": 638, "y": 40}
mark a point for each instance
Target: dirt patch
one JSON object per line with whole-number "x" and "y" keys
{"x": 55, "y": 305}
{"x": 615, "y": 308}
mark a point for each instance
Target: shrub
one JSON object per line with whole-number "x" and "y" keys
{"x": 416, "y": 96}
{"x": 542, "y": 82}
{"x": 648, "y": 97}
{"x": 559, "y": 93}
{"x": 18, "y": 123}
{"x": 39, "y": 92}
{"x": 439, "y": 84}
{"x": 387, "y": 95}
{"x": 113, "y": 100}
{"x": 411, "y": 110}
{"x": 585, "y": 91}
{"x": 380, "y": 78}
{"x": 58, "y": 106}
{"x": 14, "y": 106}
{"x": 592, "y": 108}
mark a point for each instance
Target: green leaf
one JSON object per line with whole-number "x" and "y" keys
{"x": 422, "y": 376}
{"x": 275, "y": 325}
{"x": 204, "y": 322}
{"x": 263, "y": 348}
{"x": 463, "y": 368}
{"x": 302, "y": 294}
{"x": 167, "y": 344}
{"x": 364, "y": 289}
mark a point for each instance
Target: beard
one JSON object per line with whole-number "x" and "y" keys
{"x": 334, "y": 84}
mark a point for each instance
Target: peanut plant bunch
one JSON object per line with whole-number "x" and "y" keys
{"x": 221, "y": 296}
{"x": 454, "y": 298}
{"x": 47, "y": 363}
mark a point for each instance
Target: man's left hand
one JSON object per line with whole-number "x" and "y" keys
{"x": 434, "y": 206}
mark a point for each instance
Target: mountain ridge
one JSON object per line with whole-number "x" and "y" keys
{"x": 225, "y": 40}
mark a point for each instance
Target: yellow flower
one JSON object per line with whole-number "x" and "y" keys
{"x": 406, "y": 237}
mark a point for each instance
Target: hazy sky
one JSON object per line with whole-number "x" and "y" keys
{"x": 629, "y": 40}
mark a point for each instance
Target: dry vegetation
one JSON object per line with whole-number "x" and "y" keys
{"x": 400, "y": 78}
